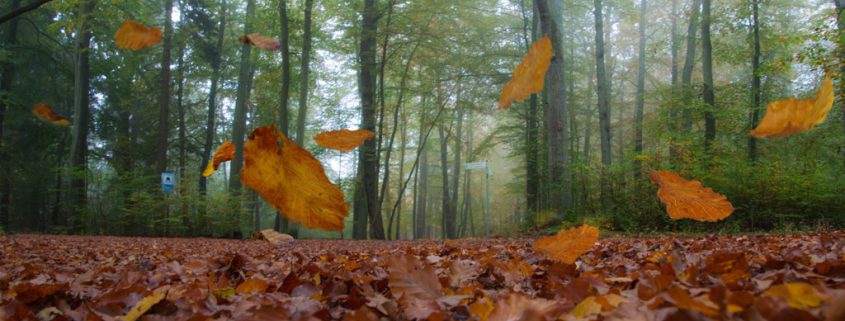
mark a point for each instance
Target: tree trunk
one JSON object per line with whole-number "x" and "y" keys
{"x": 456, "y": 167}
{"x": 304, "y": 69}
{"x": 674, "y": 44}
{"x": 81, "y": 113}
{"x": 707, "y": 66}
{"x": 164, "y": 90}
{"x": 6, "y": 81}
{"x": 673, "y": 113}
{"x": 640, "y": 105}
{"x": 603, "y": 106}
{"x": 840, "y": 23}
{"x": 755, "y": 79}
{"x": 422, "y": 182}
{"x": 689, "y": 62}
{"x": 239, "y": 123}
{"x": 556, "y": 124}
{"x": 466, "y": 217}
{"x": 183, "y": 137}
{"x": 400, "y": 190}
{"x": 212, "y": 105}
{"x": 448, "y": 221}
{"x": 281, "y": 223}
{"x": 532, "y": 175}
{"x": 382, "y": 66}
{"x": 367, "y": 187}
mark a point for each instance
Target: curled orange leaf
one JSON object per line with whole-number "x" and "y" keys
{"x": 224, "y": 153}
{"x": 790, "y": 116}
{"x": 567, "y": 245}
{"x": 252, "y": 286}
{"x": 289, "y": 178}
{"x": 135, "y": 36}
{"x": 46, "y": 113}
{"x": 260, "y": 41}
{"x": 273, "y": 237}
{"x": 529, "y": 76}
{"x": 688, "y": 199}
{"x": 343, "y": 140}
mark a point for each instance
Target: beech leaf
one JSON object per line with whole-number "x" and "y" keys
{"x": 567, "y": 245}
{"x": 224, "y": 153}
{"x": 135, "y": 36}
{"x": 791, "y": 116}
{"x": 529, "y": 76}
{"x": 344, "y": 140}
{"x": 689, "y": 199}
{"x": 46, "y": 113}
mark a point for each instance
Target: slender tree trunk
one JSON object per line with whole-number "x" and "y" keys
{"x": 281, "y": 224}
{"x": 707, "y": 66}
{"x": 603, "y": 105}
{"x": 532, "y": 175}
{"x": 456, "y": 167}
{"x": 212, "y": 107}
{"x": 164, "y": 90}
{"x": 367, "y": 187}
{"x": 239, "y": 123}
{"x": 382, "y": 66}
{"x": 400, "y": 191}
{"x": 448, "y": 221}
{"x": 755, "y": 79}
{"x": 304, "y": 69}
{"x": 81, "y": 113}
{"x": 10, "y": 42}
{"x": 689, "y": 62}
{"x": 556, "y": 124}
{"x": 673, "y": 113}
{"x": 466, "y": 218}
{"x": 640, "y": 105}
{"x": 840, "y": 23}
{"x": 183, "y": 137}
{"x": 422, "y": 181}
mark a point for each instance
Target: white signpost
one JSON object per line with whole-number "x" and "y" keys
{"x": 485, "y": 166}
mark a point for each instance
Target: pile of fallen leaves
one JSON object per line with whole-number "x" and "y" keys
{"x": 775, "y": 277}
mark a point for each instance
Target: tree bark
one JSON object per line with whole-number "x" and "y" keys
{"x": 532, "y": 175}
{"x": 448, "y": 221}
{"x": 640, "y": 104}
{"x": 367, "y": 187}
{"x": 212, "y": 110}
{"x": 556, "y": 125}
{"x": 17, "y": 10}
{"x": 840, "y": 23}
{"x": 689, "y": 62}
{"x": 603, "y": 105}
{"x": 281, "y": 224}
{"x": 81, "y": 113}
{"x": 456, "y": 167}
{"x": 164, "y": 91}
{"x": 422, "y": 181}
{"x": 8, "y": 75}
{"x": 183, "y": 137}
{"x": 755, "y": 79}
{"x": 304, "y": 70}
{"x": 707, "y": 69}
{"x": 239, "y": 123}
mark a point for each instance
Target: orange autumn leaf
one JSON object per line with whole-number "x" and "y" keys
{"x": 798, "y": 295}
{"x": 46, "y": 113}
{"x": 688, "y": 199}
{"x": 289, "y": 178}
{"x": 135, "y": 36}
{"x": 274, "y": 238}
{"x": 343, "y": 140}
{"x": 224, "y": 153}
{"x": 567, "y": 245}
{"x": 145, "y": 304}
{"x": 791, "y": 116}
{"x": 260, "y": 41}
{"x": 529, "y": 76}
{"x": 252, "y": 286}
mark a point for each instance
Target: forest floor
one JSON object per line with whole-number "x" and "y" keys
{"x": 760, "y": 277}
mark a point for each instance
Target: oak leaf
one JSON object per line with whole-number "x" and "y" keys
{"x": 567, "y": 245}
{"x": 529, "y": 76}
{"x": 343, "y": 140}
{"x": 260, "y": 41}
{"x": 289, "y": 178}
{"x": 798, "y": 295}
{"x": 224, "y": 153}
{"x": 689, "y": 199}
{"x": 791, "y": 116}
{"x": 135, "y": 36}
{"x": 46, "y": 113}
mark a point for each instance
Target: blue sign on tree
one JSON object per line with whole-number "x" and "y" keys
{"x": 168, "y": 181}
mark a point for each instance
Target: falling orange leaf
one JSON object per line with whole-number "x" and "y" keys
{"x": 289, "y": 178}
{"x": 260, "y": 41}
{"x": 343, "y": 140}
{"x": 791, "y": 116}
{"x": 135, "y": 36}
{"x": 529, "y": 76}
{"x": 688, "y": 199}
{"x": 224, "y": 153}
{"x": 568, "y": 245}
{"x": 45, "y": 113}
{"x": 798, "y": 295}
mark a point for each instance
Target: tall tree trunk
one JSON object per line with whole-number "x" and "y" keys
{"x": 640, "y": 105}
{"x": 532, "y": 175}
{"x": 689, "y": 62}
{"x": 183, "y": 137}
{"x": 707, "y": 66}
{"x": 840, "y": 23}
{"x": 400, "y": 190}
{"x": 239, "y": 123}
{"x": 10, "y": 42}
{"x": 456, "y": 166}
{"x": 367, "y": 186}
{"x": 382, "y": 66}
{"x": 304, "y": 69}
{"x": 210, "y": 128}
{"x": 755, "y": 79}
{"x": 81, "y": 112}
{"x": 448, "y": 221}
{"x": 556, "y": 124}
{"x": 673, "y": 113}
{"x": 603, "y": 105}
{"x": 164, "y": 90}
{"x": 466, "y": 217}
{"x": 422, "y": 181}
{"x": 281, "y": 224}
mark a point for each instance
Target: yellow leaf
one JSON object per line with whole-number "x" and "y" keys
{"x": 260, "y": 41}
{"x": 46, "y": 113}
{"x": 135, "y": 36}
{"x": 252, "y": 286}
{"x": 587, "y": 307}
{"x": 568, "y": 245}
{"x": 529, "y": 76}
{"x": 224, "y": 153}
{"x": 790, "y": 116}
{"x": 343, "y": 140}
{"x": 145, "y": 304}
{"x": 688, "y": 199}
{"x": 798, "y": 295}
{"x": 227, "y": 293}
{"x": 292, "y": 181}
{"x": 481, "y": 308}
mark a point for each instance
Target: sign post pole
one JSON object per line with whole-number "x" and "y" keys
{"x": 487, "y": 201}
